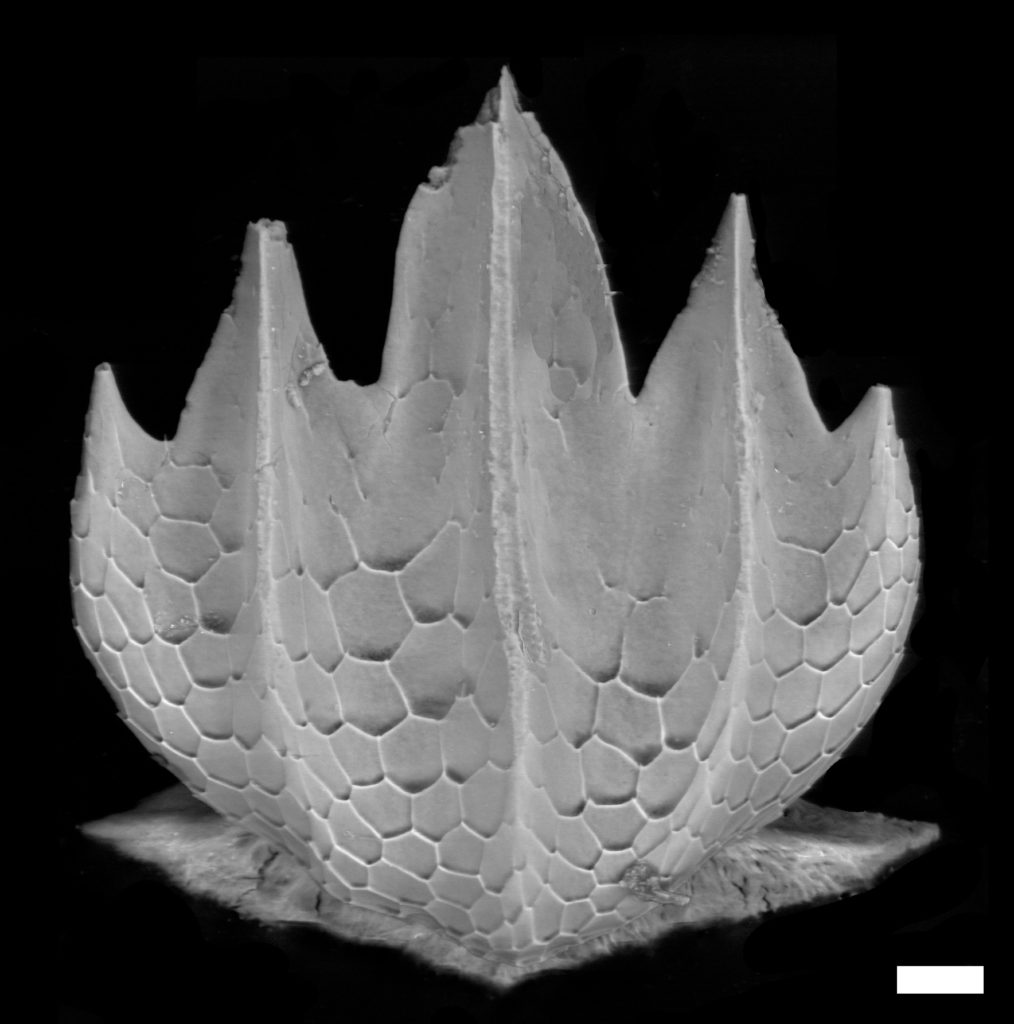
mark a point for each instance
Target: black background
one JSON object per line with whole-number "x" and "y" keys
{"x": 143, "y": 176}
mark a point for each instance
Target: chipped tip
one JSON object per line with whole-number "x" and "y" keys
{"x": 270, "y": 230}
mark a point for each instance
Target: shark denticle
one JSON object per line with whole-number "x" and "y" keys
{"x": 492, "y": 644}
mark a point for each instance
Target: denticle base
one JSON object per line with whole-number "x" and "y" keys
{"x": 810, "y": 855}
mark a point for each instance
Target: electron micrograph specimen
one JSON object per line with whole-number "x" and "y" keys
{"x": 500, "y": 659}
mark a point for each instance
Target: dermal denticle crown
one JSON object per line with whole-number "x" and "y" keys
{"x": 493, "y": 644}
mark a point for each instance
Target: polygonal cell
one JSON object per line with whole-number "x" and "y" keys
{"x": 501, "y": 744}
{"x": 685, "y": 707}
{"x": 910, "y": 560}
{"x": 370, "y": 700}
{"x": 317, "y": 754}
{"x": 462, "y": 890}
{"x": 385, "y": 807}
{"x": 663, "y": 783}
{"x": 430, "y": 670}
{"x": 531, "y": 760}
{"x": 843, "y": 563}
{"x": 324, "y": 540}
{"x": 233, "y": 519}
{"x": 436, "y": 810}
{"x": 370, "y": 615}
{"x": 206, "y": 657}
{"x": 418, "y": 856}
{"x": 289, "y": 623}
{"x": 266, "y": 767}
{"x": 321, "y": 635}
{"x": 295, "y": 814}
{"x": 461, "y": 850}
{"x": 877, "y": 657}
{"x": 712, "y": 824}
{"x": 838, "y": 685}
{"x": 804, "y": 744}
{"x": 866, "y": 586}
{"x": 547, "y": 912}
{"x": 171, "y": 606}
{"x": 135, "y": 668}
{"x": 873, "y": 521}
{"x": 890, "y": 563}
{"x": 244, "y": 640}
{"x": 761, "y": 686}
{"x": 610, "y": 777}
{"x": 211, "y": 711}
{"x": 353, "y": 834}
{"x": 656, "y": 649}
{"x": 188, "y": 771}
{"x": 91, "y": 564}
{"x": 411, "y": 754}
{"x": 827, "y": 639}
{"x": 129, "y": 604}
{"x": 760, "y": 591}
{"x": 540, "y": 816}
{"x": 111, "y": 627}
{"x": 484, "y": 799}
{"x": 492, "y": 684}
{"x": 130, "y": 550}
{"x": 428, "y": 582}
{"x": 318, "y": 797}
{"x": 799, "y": 583}
{"x": 894, "y": 610}
{"x": 222, "y": 591}
{"x": 845, "y": 723}
{"x": 167, "y": 667}
{"x": 497, "y": 867}
{"x": 576, "y": 842}
{"x": 796, "y": 696}
{"x": 322, "y": 842}
{"x": 487, "y": 913}
{"x": 359, "y": 755}
{"x": 319, "y": 696}
{"x": 351, "y": 871}
{"x": 568, "y": 882}
{"x": 135, "y": 503}
{"x": 783, "y": 645}
{"x": 185, "y": 550}
{"x": 714, "y": 726}
{"x": 615, "y": 826}
{"x": 86, "y": 619}
{"x": 110, "y": 662}
{"x": 177, "y": 730}
{"x": 187, "y": 492}
{"x": 454, "y": 919}
{"x": 264, "y": 809}
{"x": 766, "y": 739}
{"x": 739, "y": 784}
{"x": 574, "y": 698}
{"x": 576, "y": 916}
{"x": 769, "y": 784}
{"x": 465, "y": 739}
{"x": 248, "y": 720}
{"x": 223, "y": 760}
{"x": 225, "y": 799}
{"x": 630, "y": 721}
{"x": 868, "y": 624}
{"x": 562, "y": 775}
{"x": 873, "y": 694}
{"x": 398, "y": 885}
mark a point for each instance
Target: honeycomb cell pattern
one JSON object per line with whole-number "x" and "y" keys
{"x": 335, "y": 652}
